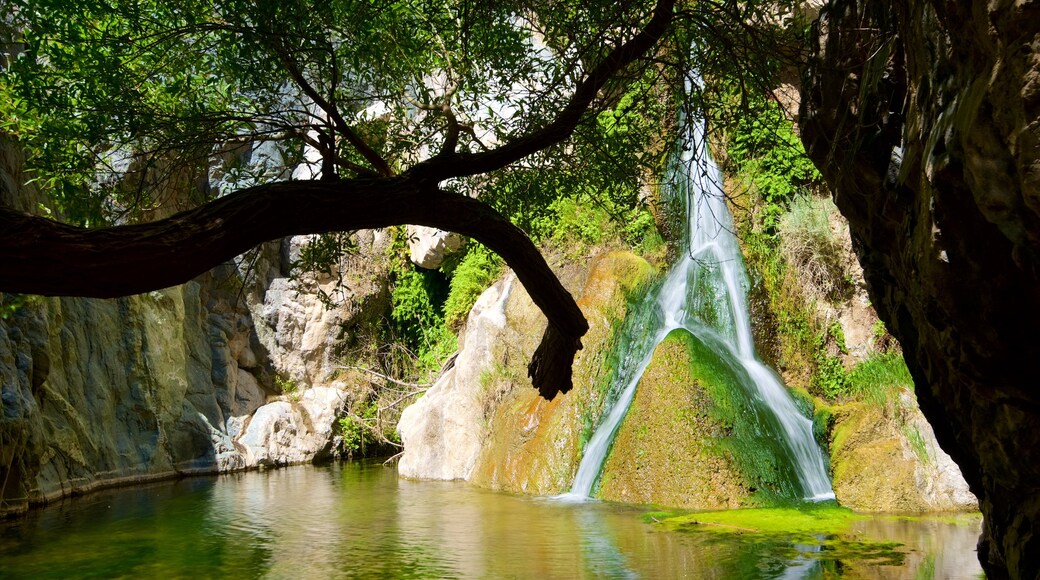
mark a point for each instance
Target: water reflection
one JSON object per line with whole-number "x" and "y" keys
{"x": 360, "y": 520}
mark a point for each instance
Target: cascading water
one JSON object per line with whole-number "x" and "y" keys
{"x": 705, "y": 293}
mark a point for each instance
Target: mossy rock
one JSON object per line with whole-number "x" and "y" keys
{"x": 533, "y": 445}
{"x": 667, "y": 450}
{"x": 873, "y": 470}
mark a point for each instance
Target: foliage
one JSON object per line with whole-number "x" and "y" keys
{"x": 810, "y": 245}
{"x": 362, "y": 434}
{"x": 761, "y": 144}
{"x": 473, "y": 274}
{"x": 116, "y": 100}
{"x": 288, "y": 387}
{"x": 11, "y": 304}
{"x": 874, "y": 379}
{"x": 417, "y": 315}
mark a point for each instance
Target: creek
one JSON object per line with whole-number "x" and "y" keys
{"x": 361, "y": 520}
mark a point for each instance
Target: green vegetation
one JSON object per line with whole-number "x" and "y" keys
{"x": 364, "y": 433}
{"x": 802, "y": 522}
{"x": 287, "y": 387}
{"x": 761, "y": 147}
{"x": 471, "y": 274}
{"x": 780, "y": 529}
{"x": 810, "y": 245}
{"x": 751, "y": 434}
{"x": 12, "y": 303}
{"x": 876, "y": 377}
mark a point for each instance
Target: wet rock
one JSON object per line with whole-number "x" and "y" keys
{"x": 886, "y": 459}
{"x": 667, "y": 451}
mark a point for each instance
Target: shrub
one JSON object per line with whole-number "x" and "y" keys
{"x": 808, "y": 242}
{"x": 477, "y": 270}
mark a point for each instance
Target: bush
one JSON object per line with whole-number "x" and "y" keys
{"x": 477, "y": 270}
{"x": 808, "y": 242}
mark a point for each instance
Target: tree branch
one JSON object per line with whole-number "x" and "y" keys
{"x": 341, "y": 125}
{"x": 40, "y": 256}
{"x": 443, "y": 167}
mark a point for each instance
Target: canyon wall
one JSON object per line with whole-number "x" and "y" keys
{"x": 924, "y": 118}
{"x": 233, "y": 370}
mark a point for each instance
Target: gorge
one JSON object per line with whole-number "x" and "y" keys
{"x": 921, "y": 119}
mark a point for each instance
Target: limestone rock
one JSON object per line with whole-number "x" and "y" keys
{"x": 443, "y": 431}
{"x": 887, "y": 460}
{"x": 295, "y": 431}
{"x": 427, "y": 247}
{"x": 304, "y": 335}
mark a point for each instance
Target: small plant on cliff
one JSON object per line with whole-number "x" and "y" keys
{"x": 288, "y": 387}
{"x": 809, "y": 243}
{"x": 476, "y": 270}
{"x": 874, "y": 379}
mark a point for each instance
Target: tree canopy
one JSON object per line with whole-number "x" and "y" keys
{"x": 321, "y": 117}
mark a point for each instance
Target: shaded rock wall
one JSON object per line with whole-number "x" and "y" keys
{"x": 924, "y": 118}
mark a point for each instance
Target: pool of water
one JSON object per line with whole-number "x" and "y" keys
{"x": 361, "y": 520}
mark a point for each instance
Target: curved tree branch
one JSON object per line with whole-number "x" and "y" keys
{"x": 41, "y": 256}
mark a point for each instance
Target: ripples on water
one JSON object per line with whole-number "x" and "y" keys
{"x": 360, "y": 520}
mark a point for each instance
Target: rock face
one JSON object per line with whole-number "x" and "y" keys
{"x": 427, "y": 247}
{"x": 925, "y": 120}
{"x": 444, "y": 430}
{"x": 183, "y": 380}
{"x": 886, "y": 459}
{"x": 667, "y": 451}
{"x": 485, "y": 423}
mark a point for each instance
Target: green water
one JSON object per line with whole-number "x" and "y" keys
{"x": 360, "y": 520}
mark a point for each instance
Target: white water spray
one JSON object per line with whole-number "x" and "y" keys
{"x": 709, "y": 277}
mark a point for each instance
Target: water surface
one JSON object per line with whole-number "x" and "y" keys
{"x": 359, "y": 520}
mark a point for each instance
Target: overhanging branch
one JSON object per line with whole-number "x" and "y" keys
{"x": 41, "y": 256}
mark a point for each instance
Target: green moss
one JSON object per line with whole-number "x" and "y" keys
{"x": 823, "y": 422}
{"x": 808, "y": 520}
{"x": 877, "y": 378}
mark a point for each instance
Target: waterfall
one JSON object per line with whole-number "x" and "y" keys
{"x": 705, "y": 293}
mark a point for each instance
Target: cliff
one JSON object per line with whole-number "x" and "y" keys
{"x": 925, "y": 120}
{"x": 231, "y": 371}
